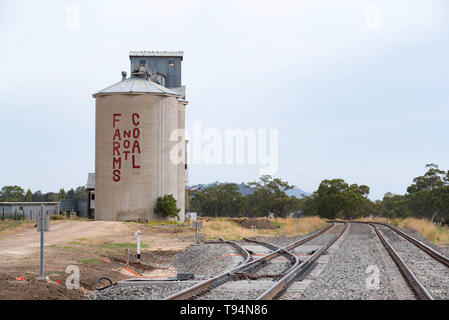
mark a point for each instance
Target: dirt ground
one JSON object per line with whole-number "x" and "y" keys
{"x": 97, "y": 248}
{"x": 257, "y": 223}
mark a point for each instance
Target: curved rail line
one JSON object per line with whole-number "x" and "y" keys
{"x": 408, "y": 274}
{"x": 287, "y": 254}
{"x": 209, "y": 284}
{"x": 297, "y": 270}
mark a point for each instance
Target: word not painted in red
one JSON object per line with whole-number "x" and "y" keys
{"x": 125, "y": 143}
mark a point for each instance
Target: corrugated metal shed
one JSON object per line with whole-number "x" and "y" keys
{"x": 28, "y": 209}
{"x": 137, "y": 85}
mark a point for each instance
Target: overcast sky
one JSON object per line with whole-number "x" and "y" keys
{"x": 357, "y": 90}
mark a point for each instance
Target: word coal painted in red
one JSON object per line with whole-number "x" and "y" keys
{"x": 125, "y": 144}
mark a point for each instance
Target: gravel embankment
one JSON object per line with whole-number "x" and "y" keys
{"x": 433, "y": 274}
{"x": 344, "y": 276}
{"x": 203, "y": 260}
{"x": 206, "y": 260}
{"x": 156, "y": 291}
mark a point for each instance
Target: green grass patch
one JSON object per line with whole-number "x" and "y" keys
{"x": 123, "y": 245}
{"x": 88, "y": 261}
{"x": 163, "y": 222}
{"x": 278, "y": 224}
{"x": 78, "y": 243}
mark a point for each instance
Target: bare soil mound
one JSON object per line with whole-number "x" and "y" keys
{"x": 257, "y": 224}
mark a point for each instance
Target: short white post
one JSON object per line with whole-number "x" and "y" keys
{"x": 137, "y": 234}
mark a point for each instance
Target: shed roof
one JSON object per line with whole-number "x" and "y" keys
{"x": 137, "y": 85}
{"x": 179, "y": 54}
{"x": 27, "y": 203}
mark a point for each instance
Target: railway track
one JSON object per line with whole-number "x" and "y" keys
{"x": 251, "y": 267}
{"x": 415, "y": 284}
{"x": 426, "y": 266}
{"x": 300, "y": 268}
{"x": 419, "y": 273}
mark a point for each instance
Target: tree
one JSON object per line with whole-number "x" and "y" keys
{"x": 79, "y": 193}
{"x": 166, "y": 206}
{"x": 335, "y": 198}
{"x": 61, "y": 195}
{"x": 28, "y": 196}
{"x": 218, "y": 200}
{"x": 12, "y": 194}
{"x": 270, "y": 197}
{"x": 428, "y": 195}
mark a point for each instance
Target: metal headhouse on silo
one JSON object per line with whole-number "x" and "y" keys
{"x": 139, "y": 154}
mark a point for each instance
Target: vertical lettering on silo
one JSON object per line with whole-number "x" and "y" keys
{"x": 125, "y": 141}
{"x": 136, "y": 134}
{"x": 116, "y": 158}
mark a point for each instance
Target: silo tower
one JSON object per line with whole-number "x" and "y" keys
{"x": 139, "y": 153}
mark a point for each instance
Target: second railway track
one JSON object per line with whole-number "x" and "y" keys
{"x": 210, "y": 289}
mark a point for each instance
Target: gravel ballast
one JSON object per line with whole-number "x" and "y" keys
{"x": 344, "y": 277}
{"x": 433, "y": 274}
{"x": 156, "y": 291}
{"x": 206, "y": 260}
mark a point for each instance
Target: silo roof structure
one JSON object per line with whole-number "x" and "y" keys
{"x": 137, "y": 85}
{"x": 144, "y": 53}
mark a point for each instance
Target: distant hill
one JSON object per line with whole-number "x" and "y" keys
{"x": 245, "y": 190}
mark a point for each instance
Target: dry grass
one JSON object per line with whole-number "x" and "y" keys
{"x": 430, "y": 231}
{"x": 230, "y": 229}
{"x": 425, "y": 228}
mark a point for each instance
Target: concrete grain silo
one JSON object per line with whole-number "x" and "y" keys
{"x": 135, "y": 122}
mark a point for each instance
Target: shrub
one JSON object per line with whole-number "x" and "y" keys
{"x": 57, "y": 217}
{"x": 166, "y": 207}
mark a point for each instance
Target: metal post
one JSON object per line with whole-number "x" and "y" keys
{"x": 127, "y": 256}
{"x": 197, "y": 240}
{"x": 137, "y": 234}
{"x": 42, "y": 217}
{"x": 42, "y": 249}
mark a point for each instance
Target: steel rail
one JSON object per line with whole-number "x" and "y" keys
{"x": 289, "y": 255}
{"x": 262, "y": 243}
{"x": 430, "y": 251}
{"x": 222, "y": 278}
{"x": 408, "y": 274}
{"x": 297, "y": 270}
{"x": 243, "y": 251}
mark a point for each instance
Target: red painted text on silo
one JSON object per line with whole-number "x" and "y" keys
{"x": 125, "y": 143}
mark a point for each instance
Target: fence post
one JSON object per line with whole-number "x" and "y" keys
{"x": 15, "y": 214}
